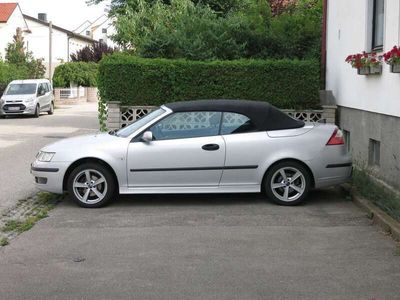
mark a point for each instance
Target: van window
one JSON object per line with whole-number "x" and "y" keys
{"x": 21, "y": 89}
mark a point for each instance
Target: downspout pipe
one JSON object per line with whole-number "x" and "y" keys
{"x": 323, "y": 43}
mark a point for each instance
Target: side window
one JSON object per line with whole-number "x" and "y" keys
{"x": 236, "y": 123}
{"x": 40, "y": 88}
{"x": 187, "y": 125}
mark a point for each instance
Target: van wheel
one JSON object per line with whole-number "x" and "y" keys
{"x": 287, "y": 183}
{"x": 51, "y": 111}
{"x": 37, "y": 111}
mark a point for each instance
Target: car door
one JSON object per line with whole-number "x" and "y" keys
{"x": 41, "y": 96}
{"x": 187, "y": 151}
{"x": 246, "y": 149}
{"x": 49, "y": 94}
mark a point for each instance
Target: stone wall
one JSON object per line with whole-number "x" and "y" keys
{"x": 362, "y": 126}
{"x": 120, "y": 116}
{"x": 72, "y": 96}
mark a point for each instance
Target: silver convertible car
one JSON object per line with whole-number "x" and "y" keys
{"x": 204, "y": 146}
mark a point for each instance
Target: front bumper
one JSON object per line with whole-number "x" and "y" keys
{"x": 23, "y": 109}
{"x": 49, "y": 176}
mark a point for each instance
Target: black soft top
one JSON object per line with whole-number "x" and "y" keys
{"x": 263, "y": 115}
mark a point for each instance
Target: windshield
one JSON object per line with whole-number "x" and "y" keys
{"x": 21, "y": 89}
{"x": 127, "y": 131}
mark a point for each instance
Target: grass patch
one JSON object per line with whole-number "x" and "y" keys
{"x": 377, "y": 194}
{"x": 20, "y": 226}
{"x": 39, "y": 209}
{"x": 3, "y": 241}
{"x": 397, "y": 251}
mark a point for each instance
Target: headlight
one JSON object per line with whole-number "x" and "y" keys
{"x": 45, "y": 156}
{"x": 29, "y": 100}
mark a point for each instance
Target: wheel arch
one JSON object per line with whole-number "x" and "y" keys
{"x": 88, "y": 160}
{"x": 288, "y": 160}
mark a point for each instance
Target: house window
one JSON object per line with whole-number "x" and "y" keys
{"x": 88, "y": 32}
{"x": 346, "y": 135}
{"x": 104, "y": 30}
{"x": 378, "y": 24}
{"x": 374, "y": 149}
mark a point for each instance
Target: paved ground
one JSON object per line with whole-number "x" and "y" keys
{"x": 22, "y": 137}
{"x": 203, "y": 247}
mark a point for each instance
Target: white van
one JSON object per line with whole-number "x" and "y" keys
{"x": 27, "y": 97}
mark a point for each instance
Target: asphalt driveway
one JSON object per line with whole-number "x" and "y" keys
{"x": 203, "y": 247}
{"x": 22, "y": 137}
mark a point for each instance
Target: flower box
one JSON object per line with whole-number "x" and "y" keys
{"x": 366, "y": 63}
{"x": 363, "y": 71}
{"x": 392, "y": 58}
{"x": 395, "y": 68}
{"x": 375, "y": 69}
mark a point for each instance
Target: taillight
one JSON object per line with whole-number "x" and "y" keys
{"x": 336, "y": 138}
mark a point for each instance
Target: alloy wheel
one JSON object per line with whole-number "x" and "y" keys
{"x": 288, "y": 184}
{"x": 90, "y": 186}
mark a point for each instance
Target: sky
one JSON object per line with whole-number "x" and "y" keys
{"x": 65, "y": 13}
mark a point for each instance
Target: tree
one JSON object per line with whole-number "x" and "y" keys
{"x": 15, "y": 51}
{"x": 184, "y": 29}
{"x": 17, "y": 55}
{"x": 219, "y": 29}
{"x": 296, "y": 33}
{"x": 93, "y": 53}
{"x": 280, "y": 6}
{"x": 120, "y": 7}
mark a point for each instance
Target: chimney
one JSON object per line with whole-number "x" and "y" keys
{"x": 42, "y": 17}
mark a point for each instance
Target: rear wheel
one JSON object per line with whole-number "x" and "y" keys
{"x": 91, "y": 185}
{"x": 287, "y": 183}
{"x": 37, "y": 111}
{"x": 51, "y": 110}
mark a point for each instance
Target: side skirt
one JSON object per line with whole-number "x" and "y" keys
{"x": 192, "y": 189}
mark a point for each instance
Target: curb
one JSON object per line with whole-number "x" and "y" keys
{"x": 377, "y": 215}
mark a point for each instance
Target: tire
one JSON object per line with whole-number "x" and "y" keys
{"x": 37, "y": 111}
{"x": 80, "y": 188}
{"x": 51, "y": 111}
{"x": 286, "y": 191}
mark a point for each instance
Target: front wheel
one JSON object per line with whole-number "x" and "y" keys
{"x": 37, "y": 111}
{"x": 51, "y": 110}
{"x": 287, "y": 183}
{"x": 91, "y": 185}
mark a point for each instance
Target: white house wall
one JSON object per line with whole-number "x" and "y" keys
{"x": 62, "y": 45}
{"x": 8, "y": 30}
{"x": 76, "y": 45}
{"x": 39, "y": 42}
{"x": 347, "y": 33}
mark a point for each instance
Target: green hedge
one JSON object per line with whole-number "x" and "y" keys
{"x": 9, "y": 73}
{"x": 140, "y": 81}
{"x": 81, "y": 73}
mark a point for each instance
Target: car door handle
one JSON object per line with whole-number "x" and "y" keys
{"x": 210, "y": 147}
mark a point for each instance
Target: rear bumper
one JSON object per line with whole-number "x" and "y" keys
{"x": 335, "y": 174}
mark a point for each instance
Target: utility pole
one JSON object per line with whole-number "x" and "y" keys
{"x": 50, "y": 50}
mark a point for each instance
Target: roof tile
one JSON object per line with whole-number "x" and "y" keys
{"x": 6, "y": 10}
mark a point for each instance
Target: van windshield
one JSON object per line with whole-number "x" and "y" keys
{"x": 21, "y": 89}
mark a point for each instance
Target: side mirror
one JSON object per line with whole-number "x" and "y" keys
{"x": 147, "y": 137}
